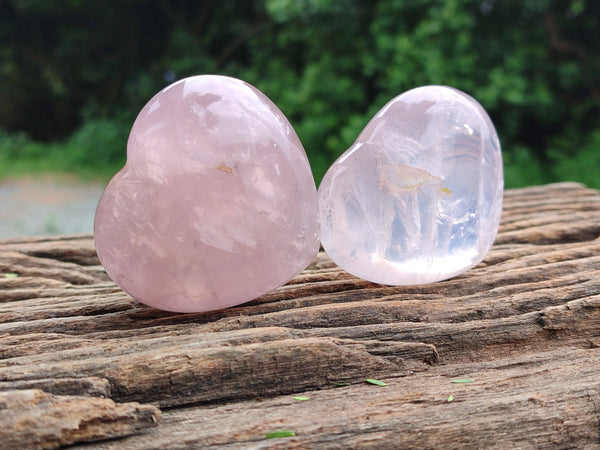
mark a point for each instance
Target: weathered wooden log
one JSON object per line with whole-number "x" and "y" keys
{"x": 523, "y": 327}
{"x": 32, "y": 418}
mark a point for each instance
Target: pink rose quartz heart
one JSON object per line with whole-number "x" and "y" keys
{"x": 418, "y": 197}
{"x": 216, "y": 205}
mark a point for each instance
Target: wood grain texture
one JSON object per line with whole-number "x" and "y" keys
{"x": 35, "y": 419}
{"x": 524, "y": 325}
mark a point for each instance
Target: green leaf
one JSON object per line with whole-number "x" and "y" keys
{"x": 462, "y": 380}
{"x": 301, "y": 398}
{"x": 279, "y": 434}
{"x": 450, "y": 398}
{"x": 375, "y": 382}
{"x": 11, "y": 275}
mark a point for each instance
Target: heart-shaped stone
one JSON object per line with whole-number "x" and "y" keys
{"x": 216, "y": 205}
{"x": 418, "y": 196}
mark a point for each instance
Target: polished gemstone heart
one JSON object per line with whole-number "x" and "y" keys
{"x": 216, "y": 204}
{"x": 418, "y": 197}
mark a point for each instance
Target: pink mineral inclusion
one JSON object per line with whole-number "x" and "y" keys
{"x": 216, "y": 205}
{"x": 418, "y": 197}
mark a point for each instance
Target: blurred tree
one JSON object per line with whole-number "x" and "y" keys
{"x": 61, "y": 57}
{"x": 328, "y": 64}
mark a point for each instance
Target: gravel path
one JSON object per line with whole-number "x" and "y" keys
{"x": 46, "y": 206}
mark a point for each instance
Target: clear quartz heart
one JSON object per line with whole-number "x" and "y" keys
{"x": 418, "y": 196}
{"x": 216, "y": 204}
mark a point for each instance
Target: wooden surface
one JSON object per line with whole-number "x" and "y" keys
{"x": 80, "y": 361}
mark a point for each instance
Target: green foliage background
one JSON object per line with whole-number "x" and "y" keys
{"x": 74, "y": 73}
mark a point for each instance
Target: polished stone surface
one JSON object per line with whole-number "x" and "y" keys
{"x": 216, "y": 205}
{"x": 418, "y": 196}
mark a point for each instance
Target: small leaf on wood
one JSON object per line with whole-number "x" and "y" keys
{"x": 279, "y": 434}
{"x": 462, "y": 380}
{"x": 450, "y": 398}
{"x": 300, "y": 398}
{"x": 375, "y": 382}
{"x": 11, "y": 275}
